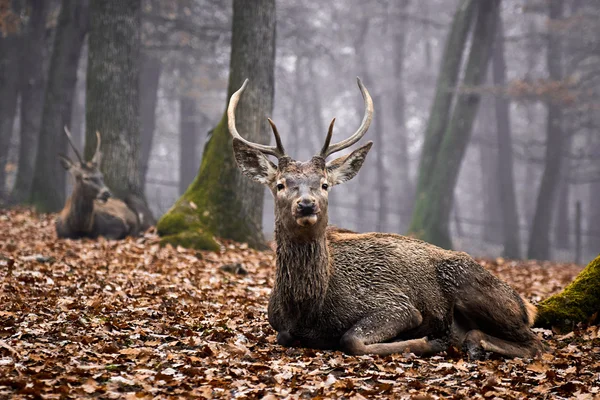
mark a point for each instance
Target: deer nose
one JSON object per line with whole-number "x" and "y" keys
{"x": 104, "y": 195}
{"x": 306, "y": 206}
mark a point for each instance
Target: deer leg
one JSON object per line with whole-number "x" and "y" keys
{"x": 369, "y": 335}
{"x": 477, "y": 343}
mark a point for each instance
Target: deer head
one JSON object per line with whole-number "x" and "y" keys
{"x": 300, "y": 188}
{"x": 87, "y": 175}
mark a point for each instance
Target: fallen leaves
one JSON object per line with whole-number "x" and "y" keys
{"x": 130, "y": 319}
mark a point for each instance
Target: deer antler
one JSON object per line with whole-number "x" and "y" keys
{"x": 276, "y": 151}
{"x": 70, "y": 139}
{"x": 97, "y": 154}
{"x": 328, "y": 149}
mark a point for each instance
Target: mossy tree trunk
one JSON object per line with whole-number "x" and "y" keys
{"x": 220, "y": 201}
{"x": 578, "y": 302}
{"x": 444, "y": 94}
{"x": 431, "y": 217}
{"x": 539, "y": 238}
{"x": 188, "y": 129}
{"x": 49, "y": 180}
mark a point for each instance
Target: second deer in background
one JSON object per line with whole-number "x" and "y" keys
{"x": 91, "y": 211}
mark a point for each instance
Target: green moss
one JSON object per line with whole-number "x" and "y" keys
{"x": 210, "y": 206}
{"x": 576, "y": 303}
{"x": 195, "y": 240}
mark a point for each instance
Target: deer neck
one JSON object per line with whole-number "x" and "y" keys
{"x": 81, "y": 213}
{"x": 303, "y": 270}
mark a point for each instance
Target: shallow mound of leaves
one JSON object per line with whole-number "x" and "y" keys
{"x": 130, "y": 319}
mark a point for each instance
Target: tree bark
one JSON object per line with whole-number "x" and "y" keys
{"x": 149, "y": 79}
{"x": 33, "y": 85}
{"x": 10, "y": 47}
{"x": 112, "y": 101}
{"x": 363, "y": 190}
{"x": 539, "y": 240}
{"x": 431, "y": 217}
{"x": 508, "y": 198}
{"x": 402, "y": 164}
{"x": 188, "y": 131}
{"x": 488, "y": 158}
{"x": 578, "y": 302}
{"x": 382, "y": 211}
{"x": 48, "y": 188}
{"x": 221, "y": 202}
{"x": 562, "y": 226}
{"x": 593, "y": 226}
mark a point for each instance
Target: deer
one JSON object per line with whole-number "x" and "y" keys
{"x": 371, "y": 293}
{"x": 91, "y": 210}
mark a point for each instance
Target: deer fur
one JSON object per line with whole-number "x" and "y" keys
{"x": 91, "y": 211}
{"x": 374, "y": 293}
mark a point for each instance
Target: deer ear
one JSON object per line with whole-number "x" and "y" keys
{"x": 65, "y": 162}
{"x": 344, "y": 168}
{"x": 254, "y": 164}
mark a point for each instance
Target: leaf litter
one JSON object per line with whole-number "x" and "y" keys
{"x": 130, "y": 319}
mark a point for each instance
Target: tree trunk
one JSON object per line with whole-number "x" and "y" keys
{"x": 402, "y": 164}
{"x": 221, "y": 202}
{"x": 432, "y": 212}
{"x": 488, "y": 158}
{"x": 48, "y": 189}
{"x": 539, "y": 241}
{"x": 508, "y": 198}
{"x": 10, "y": 46}
{"x": 149, "y": 79}
{"x": 33, "y": 85}
{"x": 593, "y": 226}
{"x": 439, "y": 115}
{"x": 562, "y": 227}
{"x": 364, "y": 190}
{"x": 112, "y": 101}
{"x": 578, "y": 302}
{"x": 188, "y": 131}
{"x": 382, "y": 211}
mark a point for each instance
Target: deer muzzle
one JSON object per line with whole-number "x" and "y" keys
{"x": 307, "y": 211}
{"x": 104, "y": 195}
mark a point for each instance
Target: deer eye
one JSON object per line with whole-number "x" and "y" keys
{"x": 280, "y": 186}
{"x": 325, "y": 186}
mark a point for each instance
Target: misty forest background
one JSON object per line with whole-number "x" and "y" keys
{"x": 522, "y": 180}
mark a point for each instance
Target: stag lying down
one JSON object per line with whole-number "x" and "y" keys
{"x": 91, "y": 211}
{"x": 371, "y": 293}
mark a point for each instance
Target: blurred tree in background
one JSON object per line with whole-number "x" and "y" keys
{"x": 49, "y": 180}
{"x": 449, "y": 129}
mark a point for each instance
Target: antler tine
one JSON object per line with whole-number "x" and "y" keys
{"x": 362, "y": 129}
{"x": 278, "y": 143}
{"x": 70, "y": 139}
{"x": 98, "y": 142}
{"x": 327, "y": 139}
{"x": 276, "y": 151}
{"x": 97, "y": 153}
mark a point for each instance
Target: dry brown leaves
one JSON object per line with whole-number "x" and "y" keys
{"x": 132, "y": 320}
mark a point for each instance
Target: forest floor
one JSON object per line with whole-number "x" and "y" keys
{"x": 130, "y": 319}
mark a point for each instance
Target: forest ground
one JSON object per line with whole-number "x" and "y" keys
{"x": 130, "y": 319}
